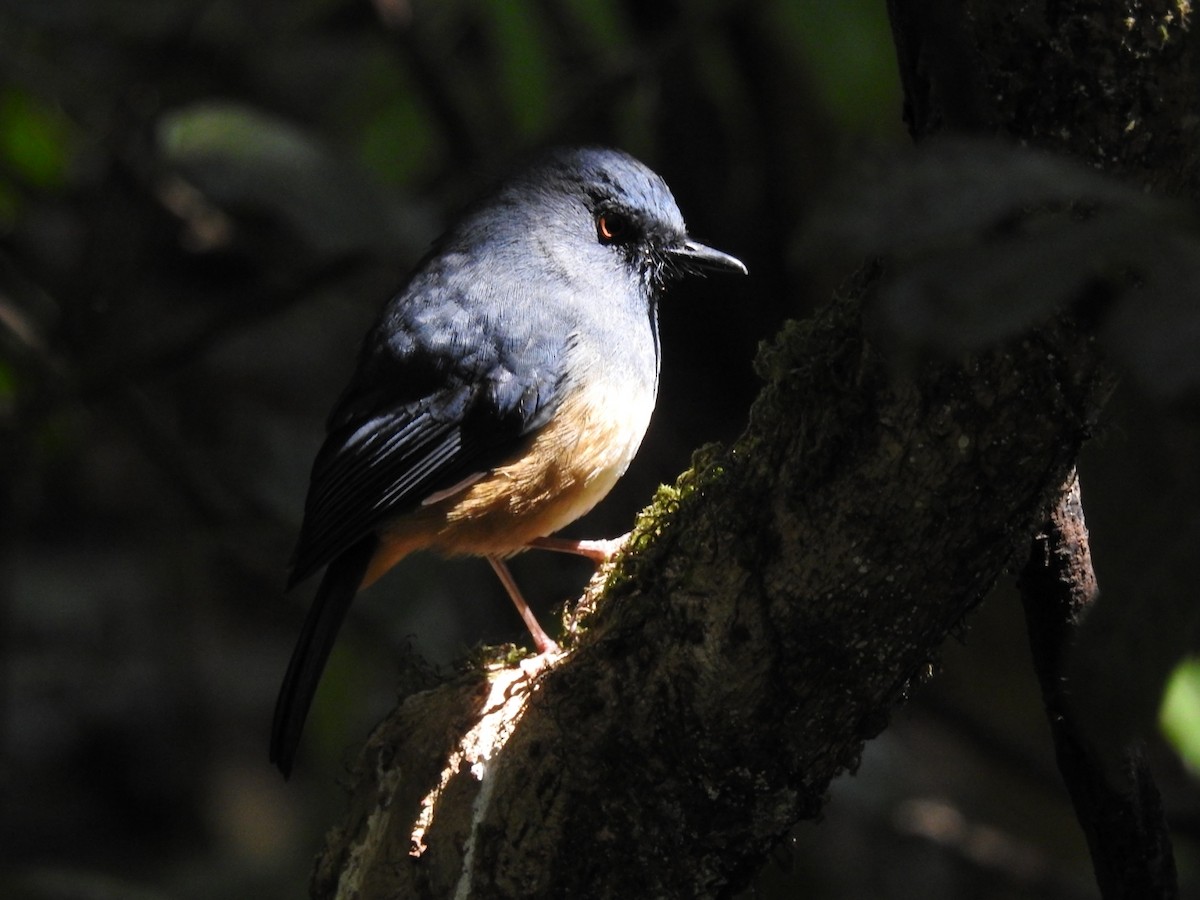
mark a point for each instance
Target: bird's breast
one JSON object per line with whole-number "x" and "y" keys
{"x": 564, "y": 470}
{"x": 568, "y": 467}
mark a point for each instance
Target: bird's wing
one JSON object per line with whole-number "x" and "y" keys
{"x": 433, "y": 402}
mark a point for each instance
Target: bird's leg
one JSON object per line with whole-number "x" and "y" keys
{"x": 544, "y": 643}
{"x": 598, "y": 552}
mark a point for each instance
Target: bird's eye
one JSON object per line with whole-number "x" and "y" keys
{"x": 612, "y": 227}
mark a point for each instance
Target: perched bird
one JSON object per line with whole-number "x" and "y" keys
{"x": 500, "y": 395}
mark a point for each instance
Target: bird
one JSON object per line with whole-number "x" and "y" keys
{"x": 499, "y": 396}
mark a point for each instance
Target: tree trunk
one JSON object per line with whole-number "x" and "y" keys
{"x": 773, "y": 607}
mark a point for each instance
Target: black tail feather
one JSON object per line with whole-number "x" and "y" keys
{"x": 338, "y": 587}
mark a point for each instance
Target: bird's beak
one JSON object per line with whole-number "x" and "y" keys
{"x": 696, "y": 257}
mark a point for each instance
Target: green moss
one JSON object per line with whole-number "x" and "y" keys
{"x": 486, "y": 657}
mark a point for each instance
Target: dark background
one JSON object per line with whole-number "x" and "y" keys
{"x": 202, "y": 206}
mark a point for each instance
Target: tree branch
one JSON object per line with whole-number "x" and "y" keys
{"x": 775, "y": 604}
{"x": 772, "y": 609}
{"x": 1115, "y": 798}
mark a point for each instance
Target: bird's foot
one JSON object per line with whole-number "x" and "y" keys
{"x": 599, "y": 552}
{"x": 531, "y": 665}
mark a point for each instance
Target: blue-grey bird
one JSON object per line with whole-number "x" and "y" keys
{"x": 500, "y": 395}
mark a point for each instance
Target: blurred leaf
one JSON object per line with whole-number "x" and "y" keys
{"x": 847, "y": 49}
{"x": 10, "y": 206}
{"x": 246, "y": 159}
{"x": 984, "y": 240}
{"x": 1180, "y": 712}
{"x": 35, "y": 139}
{"x": 524, "y": 64}
{"x": 952, "y": 192}
{"x": 604, "y": 21}
{"x": 397, "y": 142}
{"x": 983, "y": 292}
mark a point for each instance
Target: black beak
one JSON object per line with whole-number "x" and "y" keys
{"x": 697, "y": 258}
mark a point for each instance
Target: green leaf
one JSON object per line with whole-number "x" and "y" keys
{"x": 397, "y": 143}
{"x": 984, "y": 240}
{"x": 847, "y": 49}
{"x": 245, "y": 159}
{"x": 524, "y": 64}
{"x": 36, "y": 139}
{"x": 1179, "y": 716}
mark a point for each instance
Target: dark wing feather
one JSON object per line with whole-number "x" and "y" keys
{"x": 422, "y": 413}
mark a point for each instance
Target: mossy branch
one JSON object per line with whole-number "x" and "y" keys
{"x": 771, "y": 610}
{"x": 779, "y": 601}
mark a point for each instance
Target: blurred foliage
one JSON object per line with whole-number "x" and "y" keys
{"x": 202, "y": 205}
{"x": 847, "y": 48}
{"x": 37, "y": 140}
{"x": 1007, "y": 237}
{"x": 1180, "y": 713}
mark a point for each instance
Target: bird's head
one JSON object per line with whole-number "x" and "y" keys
{"x": 603, "y": 209}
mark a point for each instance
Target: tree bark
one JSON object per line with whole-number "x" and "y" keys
{"x": 775, "y": 605}
{"x": 1116, "y": 801}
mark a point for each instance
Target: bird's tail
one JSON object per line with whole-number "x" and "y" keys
{"x": 339, "y": 585}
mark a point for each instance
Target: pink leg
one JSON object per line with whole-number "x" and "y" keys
{"x": 541, "y": 640}
{"x": 598, "y": 552}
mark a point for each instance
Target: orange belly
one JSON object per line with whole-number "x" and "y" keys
{"x": 566, "y": 469}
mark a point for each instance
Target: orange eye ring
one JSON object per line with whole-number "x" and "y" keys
{"x": 611, "y": 226}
